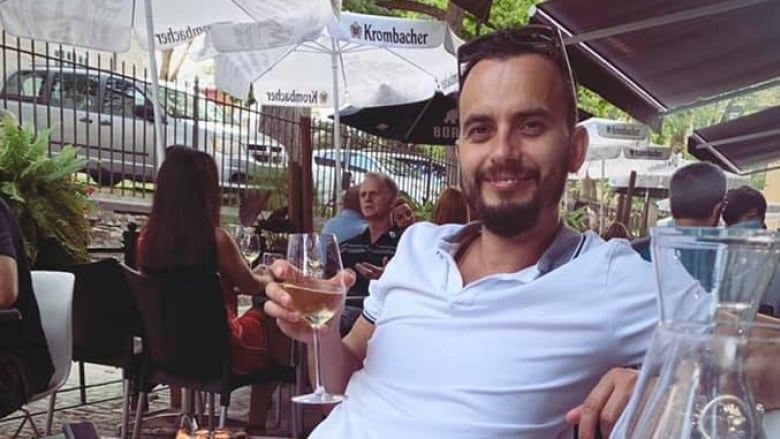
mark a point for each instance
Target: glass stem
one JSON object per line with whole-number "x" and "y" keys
{"x": 318, "y": 388}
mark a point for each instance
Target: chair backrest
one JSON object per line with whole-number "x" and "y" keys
{"x": 104, "y": 314}
{"x": 184, "y": 323}
{"x": 54, "y": 294}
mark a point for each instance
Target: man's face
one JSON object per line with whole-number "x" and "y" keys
{"x": 375, "y": 198}
{"x": 403, "y": 216}
{"x": 515, "y": 148}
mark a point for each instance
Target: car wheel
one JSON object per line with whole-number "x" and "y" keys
{"x": 104, "y": 178}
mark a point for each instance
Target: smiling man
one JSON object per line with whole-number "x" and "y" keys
{"x": 513, "y": 327}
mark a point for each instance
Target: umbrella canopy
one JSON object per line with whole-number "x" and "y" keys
{"x": 363, "y": 60}
{"x": 657, "y": 179}
{"x": 740, "y": 144}
{"x": 430, "y": 122}
{"x": 156, "y": 24}
{"x": 373, "y": 60}
{"x": 654, "y": 57}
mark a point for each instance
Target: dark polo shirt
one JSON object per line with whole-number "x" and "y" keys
{"x": 360, "y": 249}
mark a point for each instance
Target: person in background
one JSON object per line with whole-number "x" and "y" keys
{"x": 25, "y": 363}
{"x": 617, "y": 230}
{"x": 402, "y": 215}
{"x": 696, "y": 198}
{"x": 513, "y": 327}
{"x": 368, "y": 252}
{"x": 349, "y": 222}
{"x": 183, "y": 232}
{"x": 451, "y": 207}
{"x": 746, "y": 208}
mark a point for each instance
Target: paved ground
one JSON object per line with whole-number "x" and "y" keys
{"x": 106, "y": 415}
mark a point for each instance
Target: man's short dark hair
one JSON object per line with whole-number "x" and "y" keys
{"x": 508, "y": 43}
{"x": 741, "y": 201}
{"x": 696, "y": 189}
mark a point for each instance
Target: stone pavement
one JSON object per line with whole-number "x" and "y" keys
{"x": 104, "y": 408}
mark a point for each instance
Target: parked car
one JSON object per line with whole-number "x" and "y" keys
{"x": 109, "y": 118}
{"x": 358, "y": 163}
{"x": 433, "y": 172}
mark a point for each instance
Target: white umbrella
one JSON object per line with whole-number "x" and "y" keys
{"x": 659, "y": 177}
{"x": 156, "y": 24}
{"x": 357, "y": 59}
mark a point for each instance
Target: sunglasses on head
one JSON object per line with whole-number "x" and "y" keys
{"x": 533, "y": 38}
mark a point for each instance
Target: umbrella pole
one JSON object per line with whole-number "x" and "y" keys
{"x": 334, "y": 57}
{"x": 158, "y": 133}
{"x": 601, "y": 197}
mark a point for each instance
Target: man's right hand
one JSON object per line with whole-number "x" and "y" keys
{"x": 280, "y": 308}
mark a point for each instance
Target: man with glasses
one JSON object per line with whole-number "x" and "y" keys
{"x": 512, "y": 327}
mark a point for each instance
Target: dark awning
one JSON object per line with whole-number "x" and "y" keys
{"x": 742, "y": 144}
{"x": 653, "y": 57}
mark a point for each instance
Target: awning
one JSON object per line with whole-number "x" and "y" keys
{"x": 653, "y": 57}
{"x": 740, "y": 145}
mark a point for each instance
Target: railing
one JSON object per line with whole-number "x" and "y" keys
{"x": 103, "y": 107}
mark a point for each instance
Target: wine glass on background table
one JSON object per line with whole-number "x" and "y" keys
{"x": 251, "y": 247}
{"x": 316, "y": 289}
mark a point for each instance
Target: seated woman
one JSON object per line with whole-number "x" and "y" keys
{"x": 183, "y": 231}
{"x": 402, "y": 215}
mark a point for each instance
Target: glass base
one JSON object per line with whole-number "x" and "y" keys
{"x": 318, "y": 398}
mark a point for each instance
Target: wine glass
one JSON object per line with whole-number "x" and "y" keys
{"x": 316, "y": 289}
{"x": 251, "y": 247}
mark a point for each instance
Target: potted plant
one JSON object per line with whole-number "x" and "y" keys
{"x": 48, "y": 202}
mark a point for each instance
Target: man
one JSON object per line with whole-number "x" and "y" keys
{"x": 746, "y": 208}
{"x": 349, "y": 222}
{"x": 25, "y": 364}
{"x": 696, "y": 194}
{"x": 368, "y": 252}
{"x": 495, "y": 330}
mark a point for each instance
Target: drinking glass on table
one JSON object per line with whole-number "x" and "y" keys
{"x": 317, "y": 290}
{"x": 250, "y": 247}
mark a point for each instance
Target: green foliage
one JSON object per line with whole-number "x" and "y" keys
{"x": 48, "y": 202}
{"x": 575, "y": 219}
{"x": 275, "y": 179}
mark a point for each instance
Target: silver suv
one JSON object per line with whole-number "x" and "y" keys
{"x": 109, "y": 118}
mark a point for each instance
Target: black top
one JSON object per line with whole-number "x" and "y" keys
{"x": 29, "y": 343}
{"x": 360, "y": 249}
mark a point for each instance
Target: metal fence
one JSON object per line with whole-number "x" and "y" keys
{"x": 103, "y": 107}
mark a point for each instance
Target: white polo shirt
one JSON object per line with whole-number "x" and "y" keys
{"x": 504, "y": 357}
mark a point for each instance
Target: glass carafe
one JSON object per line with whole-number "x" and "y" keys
{"x": 715, "y": 381}
{"x": 704, "y": 275}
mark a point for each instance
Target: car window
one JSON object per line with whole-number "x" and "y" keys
{"x": 325, "y": 159}
{"x": 120, "y": 97}
{"x": 25, "y": 84}
{"x": 74, "y": 91}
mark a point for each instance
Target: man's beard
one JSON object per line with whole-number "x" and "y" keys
{"x": 510, "y": 218}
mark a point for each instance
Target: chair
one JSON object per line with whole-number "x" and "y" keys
{"x": 54, "y": 293}
{"x": 105, "y": 322}
{"x": 186, "y": 337}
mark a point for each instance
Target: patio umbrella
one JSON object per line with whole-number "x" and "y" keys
{"x": 362, "y": 60}
{"x": 156, "y": 24}
{"x": 433, "y": 121}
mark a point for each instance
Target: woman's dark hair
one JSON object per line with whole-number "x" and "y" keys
{"x": 185, "y": 212}
{"x": 451, "y": 208}
{"x": 617, "y": 230}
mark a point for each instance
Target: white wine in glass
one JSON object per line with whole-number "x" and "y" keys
{"x": 316, "y": 289}
{"x": 250, "y": 247}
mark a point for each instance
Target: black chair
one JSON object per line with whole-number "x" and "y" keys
{"x": 105, "y": 323}
{"x": 186, "y": 337}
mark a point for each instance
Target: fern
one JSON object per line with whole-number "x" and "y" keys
{"x": 48, "y": 202}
